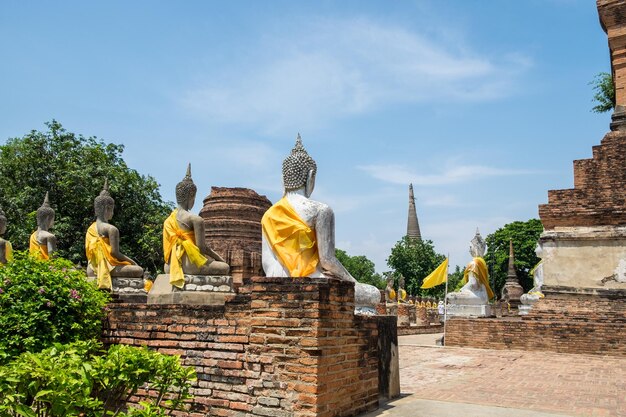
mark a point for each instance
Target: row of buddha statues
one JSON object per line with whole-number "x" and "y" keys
{"x": 298, "y": 237}
{"x": 184, "y": 247}
{"x": 298, "y": 240}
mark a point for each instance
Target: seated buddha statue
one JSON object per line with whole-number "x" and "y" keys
{"x": 477, "y": 289}
{"x": 184, "y": 246}
{"x": 43, "y": 243}
{"x": 298, "y": 238}
{"x": 102, "y": 246}
{"x": 532, "y": 296}
{"x": 6, "y": 250}
{"x": 401, "y": 291}
{"x": 390, "y": 293}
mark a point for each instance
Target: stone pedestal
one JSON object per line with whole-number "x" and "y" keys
{"x": 198, "y": 289}
{"x": 470, "y": 310}
{"x": 412, "y": 314}
{"x": 129, "y": 289}
{"x": 392, "y": 309}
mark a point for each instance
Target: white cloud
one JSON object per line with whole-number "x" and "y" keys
{"x": 452, "y": 174}
{"x": 336, "y": 68}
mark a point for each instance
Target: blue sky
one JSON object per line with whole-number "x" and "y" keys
{"x": 483, "y": 105}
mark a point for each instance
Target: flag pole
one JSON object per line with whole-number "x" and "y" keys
{"x": 445, "y": 303}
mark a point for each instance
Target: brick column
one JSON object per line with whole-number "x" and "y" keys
{"x": 319, "y": 358}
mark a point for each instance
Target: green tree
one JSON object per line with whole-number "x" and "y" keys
{"x": 415, "y": 260}
{"x": 525, "y": 236}
{"x": 604, "y": 92}
{"x": 73, "y": 169}
{"x": 361, "y": 268}
{"x": 455, "y": 279}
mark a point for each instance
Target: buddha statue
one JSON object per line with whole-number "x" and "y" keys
{"x": 102, "y": 246}
{"x": 390, "y": 293}
{"x": 43, "y": 243}
{"x": 401, "y": 290}
{"x": 476, "y": 291}
{"x": 531, "y": 297}
{"x": 184, "y": 246}
{"x": 6, "y": 250}
{"x": 298, "y": 238}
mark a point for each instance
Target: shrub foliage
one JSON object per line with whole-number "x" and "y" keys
{"x": 43, "y": 302}
{"x": 80, "y": 379}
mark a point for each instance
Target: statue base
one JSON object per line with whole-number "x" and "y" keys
{"x": 470, "y": 310}
{"x": 198, "y": 289}
{"x": 129, "y": 289}
{"x": 527, "y": 303}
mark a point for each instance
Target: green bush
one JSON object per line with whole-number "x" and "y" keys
{"x": 80, "y": 379}
{"x": 43, "y": 302}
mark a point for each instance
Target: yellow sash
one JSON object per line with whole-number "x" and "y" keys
{"x": 291, "y": 239}
{"x": 479, "y": 267}
{"x": 8, "y": 251}
{"x": 36, "y": 249}
{"x": 532, "y": 274}
{"x": 98, "y": 250}
{"x": 180, "y": 242}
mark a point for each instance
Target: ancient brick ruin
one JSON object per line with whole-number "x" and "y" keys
{"x": 584, "y": 246}
{"x": 596, "y": 199}
{"x": 232, "y": 220}
{"x": 281, "y": 347}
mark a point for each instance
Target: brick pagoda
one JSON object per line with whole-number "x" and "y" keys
{"x": 232, "y": 220}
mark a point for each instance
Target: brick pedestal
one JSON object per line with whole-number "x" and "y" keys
{"x": 281, "y": 347}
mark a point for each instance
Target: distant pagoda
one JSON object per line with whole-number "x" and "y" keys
{"x": 412, "y": 227}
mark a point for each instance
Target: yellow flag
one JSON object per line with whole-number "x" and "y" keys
{"x": 438, "y": 276}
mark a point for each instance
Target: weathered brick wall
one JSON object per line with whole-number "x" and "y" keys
{"x": 613, "y": 20}
{"x": 282, "y": 347}
{"x": 599, "y": 196}
{"x": 591, "y": 325}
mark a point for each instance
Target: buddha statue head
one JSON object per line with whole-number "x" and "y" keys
{"x": 299, "y": 170}
{"x": 186, "y": 191}
{"x": 401, "y": 282}
{"x": 45, "y": 215}
{"x": 104, "y": 204}
{"x": 477, "y": 245}
{"x": 3, "y": 222}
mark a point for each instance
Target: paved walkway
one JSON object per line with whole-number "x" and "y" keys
{"x": 452, "y": 381}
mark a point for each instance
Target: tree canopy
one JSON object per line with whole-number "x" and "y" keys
{"x": 604, "y": 92}
{"x": 361, "y": 268}
{"x": 415, "y": 259}
{"x": 525, "y": 236}
{"x": 73, "y": 169}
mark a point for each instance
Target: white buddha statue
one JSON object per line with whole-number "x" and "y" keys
{"x": 532, "y": 296}
{"x": 299, "y": 233}
{"x": 476, "y": 291}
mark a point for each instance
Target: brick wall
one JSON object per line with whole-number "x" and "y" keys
{"x": 584, "y": 324}
{"x": 599, "y": 194}
{"x": 281, "y": 348}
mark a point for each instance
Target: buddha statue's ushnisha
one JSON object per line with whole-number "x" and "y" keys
{"x": 42, "y": 242}
{"x": 299, "y": 233}
{"x": 184, "y": 247}
{"x": 477, "y": 289}
{"x": 6, "y": 250}
{"x": 102, "y": 245}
